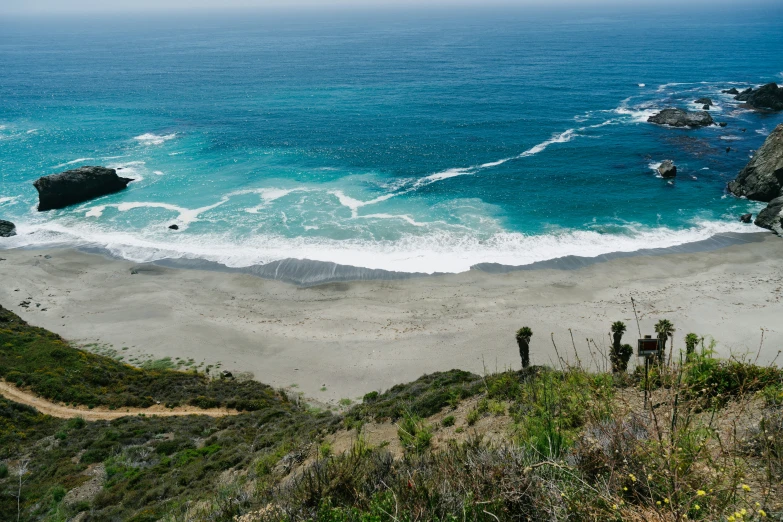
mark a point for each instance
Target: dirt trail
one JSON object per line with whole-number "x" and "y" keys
{"x": 67, "y": 412}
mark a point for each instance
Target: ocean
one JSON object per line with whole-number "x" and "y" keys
{"x": 404, "y": 140}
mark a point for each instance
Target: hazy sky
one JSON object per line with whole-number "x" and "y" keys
{"x": 97, "y": 6}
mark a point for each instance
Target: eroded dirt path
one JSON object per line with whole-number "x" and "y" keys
{"x": 13, "y": 393}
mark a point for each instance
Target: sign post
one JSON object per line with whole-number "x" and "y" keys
{"x": 647, "y": 348}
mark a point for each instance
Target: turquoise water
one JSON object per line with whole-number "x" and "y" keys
{"x": 410, "y": 141}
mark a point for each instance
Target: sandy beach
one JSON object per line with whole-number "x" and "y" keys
{"x": 341, "y": 340}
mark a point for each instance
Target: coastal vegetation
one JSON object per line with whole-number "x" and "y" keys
{"x": 535, "y": 444}
{"x": 46, "y": 364}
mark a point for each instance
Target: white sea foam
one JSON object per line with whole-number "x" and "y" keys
{"x": 637, "y": 114}
{"x": 154, "y": 139}
{"x": 72, "y": 162}
{"x": 437, "y": 251}
{"x": 403, "y": 217}
{"x": 185, "y": 216}
{"x": 563, "y": 137}
{"x": 642, "y": 85}
{"x": 157, "y": 172}
{"x": 730, "y": 138}
{"x": 7, "y": 199}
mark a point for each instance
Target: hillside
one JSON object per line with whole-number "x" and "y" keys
{"x": 539, "y": 444}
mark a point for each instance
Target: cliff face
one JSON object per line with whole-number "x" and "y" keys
{"x": 762, "y": 180}
{"x": 762, "y": 177}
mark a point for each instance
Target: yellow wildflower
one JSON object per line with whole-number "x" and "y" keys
{"x": 731, "y": 519}
{"x": 696, "y": 507}
{"x": 649, "y": 477}
{"x": 762, "y": 513}
{"x": 666, "y": 501}
{"x": 701, "y": 493}
{"x": 632, "y": 476}
{"x": 659, "y": 502}
{"x": 743, "y": 512}
{"x": 625, "y": 489}
{"x": 746, "y": 487}
{"x": 614, "y": 506}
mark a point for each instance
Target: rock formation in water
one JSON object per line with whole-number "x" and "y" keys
{"x": 772, "y": 217}
{"x": 733, "y": 91}
{"x": 762, "y": 180}
{"x": 667, "y": 169}
{"x": 705, "y": 101}
{"x": 767, "y": 97}
{"x": 74, "y": 186}
{"x": 7, "y": 229}
{"x": 681, "y": 118}
{"x": 762, "y": 177}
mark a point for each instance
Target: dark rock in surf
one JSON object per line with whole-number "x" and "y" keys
{"x": 7, "y": 229}
{"x": 746, "y": 218}
{"x": 173, "y": 227}
{"x": 681, "y": 118}
{"x": 707, "y": 102}
{"x": 731, "y": 91}
{"x": 767, "y": 97}
{"x": 667, "y": 169}
{"x": 77, "y": 185}
{"x": 723, "y": 124}
{"x": 762, "y": 177}
{"x": 771, "y": 217}
{"x": 728, "y": 149}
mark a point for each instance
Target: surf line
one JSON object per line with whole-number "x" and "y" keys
{"x": 562, "y": 137}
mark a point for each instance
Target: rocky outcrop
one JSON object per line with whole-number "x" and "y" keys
{"x": 746, "y": 218}
{"x": 7, "y": 229}
{"x": 705, "y": 101}
{"x": 681, "y": 118}
{"x": 767, "y": 97}
{"x": 733, "y": 91}
{"x": 762, "y": 177}
{"x": 74, "y": 186}
{"x": 667, "y": 169}
{"x": 771, "y": 217}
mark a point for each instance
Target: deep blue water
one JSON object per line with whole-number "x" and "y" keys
{"x": 413, "y": 141}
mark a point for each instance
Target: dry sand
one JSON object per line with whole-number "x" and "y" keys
{"x": 351, "y": 338}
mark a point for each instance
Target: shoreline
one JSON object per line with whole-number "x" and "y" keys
{"x": 343, "y": 339}
{"x": 308, "y": 272}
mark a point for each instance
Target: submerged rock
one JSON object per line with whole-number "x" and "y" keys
{"x": 681, "y": 118}
{"x": 173, "y": 227}
{"x": 7, "y": 229}
{"x": 771, "y": 217}
{"x": 767, "y": 97}
{"x": 667, "y": 169}
{"x": 762, "y": 177}
{"x": 74, "y": 186}
{"x": 723, "y": 124}
{"x": 746, "y": 218}
{"x": 705, "y": 101}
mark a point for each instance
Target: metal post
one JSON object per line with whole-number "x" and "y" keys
{"x": 646, "y": 384}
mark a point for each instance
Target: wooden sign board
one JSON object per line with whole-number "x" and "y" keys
{"x": 647, "y": 347}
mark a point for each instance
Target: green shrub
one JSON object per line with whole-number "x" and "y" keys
{"x": 58, "y": 492}
{"x": 447, "y": 421}
{"x": 473, "y": 416}
{"x": 3, "y": 470}
{"x": 415, "y": 435}
{"x": 76, "y": 423}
